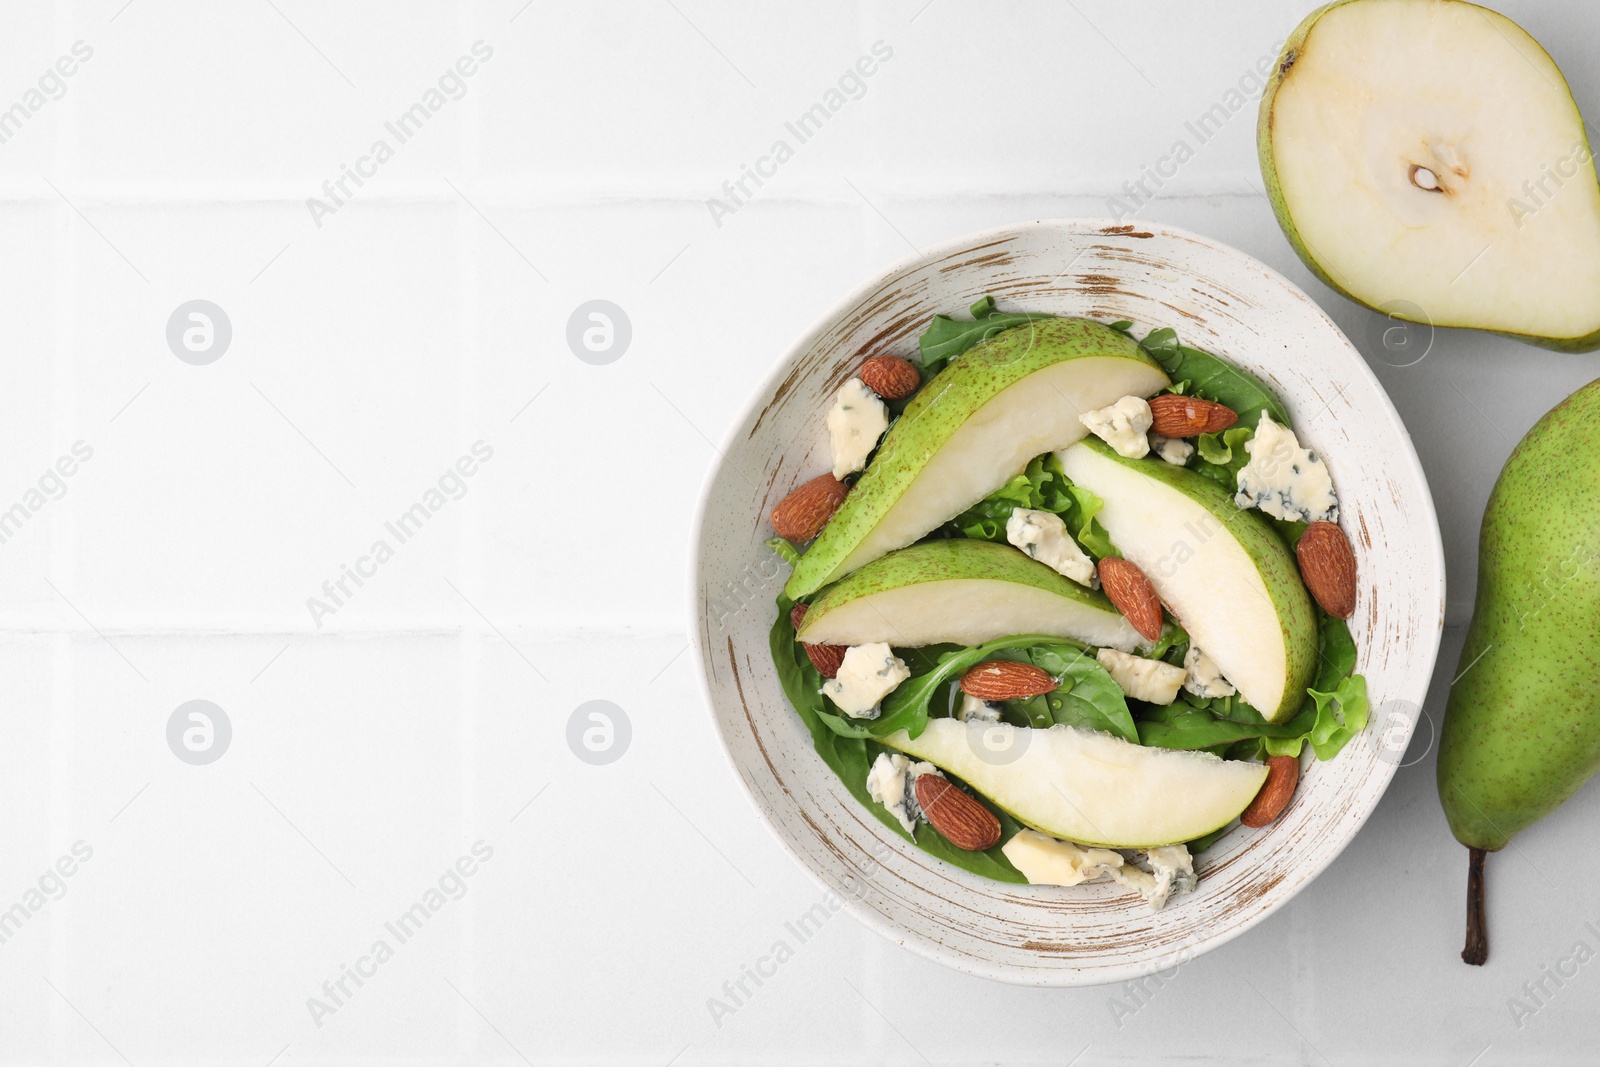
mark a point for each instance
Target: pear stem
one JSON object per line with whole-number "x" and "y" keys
{"x": 1477, "y": 950}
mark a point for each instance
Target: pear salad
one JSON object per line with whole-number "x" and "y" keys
{"x": 1072, "y": 603}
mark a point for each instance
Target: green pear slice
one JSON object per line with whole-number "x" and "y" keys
{"x": 1226, "y": 575}
{"x": 1428, "y": 160}
{"x": 970, "y": 429}
{"x": 964, "y": 592}
{"x": 1088, "y": 787}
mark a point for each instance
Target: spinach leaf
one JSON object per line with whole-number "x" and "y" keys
{"x": 1336, "y": 653}
{"x": 851, "y": 758}
{"x": 907, "y": 708}
{"x": 1087, "y": 696}
{"x": 1200, "y": 844}
{"x": 946, "y": 338}
{"x": 1213, "y": 378}
{"x": 1180, "y": 725}
{"x": 802, "y": 684}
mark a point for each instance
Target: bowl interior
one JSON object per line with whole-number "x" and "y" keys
{"x": 1218, "y": 299}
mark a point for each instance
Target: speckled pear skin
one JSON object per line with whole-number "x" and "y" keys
{"x": 1273, "y": 560}
{"x": 1522, "y": 729}
{"x": 934, "y": 415}
{"x": 946, "y": 560}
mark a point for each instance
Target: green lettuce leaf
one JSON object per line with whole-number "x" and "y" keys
{"x": 1042, "y": 486}
{"x": 1084, "y": 524}
{"x": 1341, "y": 715}
{"x": 1219, "y": 456}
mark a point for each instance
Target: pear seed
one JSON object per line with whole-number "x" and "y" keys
{"x": 1423, "y": 178}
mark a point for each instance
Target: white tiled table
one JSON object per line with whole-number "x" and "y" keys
{"x": 429, "y": 711}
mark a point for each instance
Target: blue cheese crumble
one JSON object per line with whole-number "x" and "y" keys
{"x": 868, "y": 674}
{"x": 1171, "y": 872}
{"x": 1043, "y": 860}
{"x": 856, "y": 422}
{"x": 1043, "y": 536}
{"x": 972, "y": 709}
{"x": 1156, "y": 874}
{"x": 1122, "y": 426}
{"x": 1284, "y": 480}
{"x": 1203, "y": 679}
{"x": 1144, "y": 679}
{"x": 1174, "y": 450}
{"x": 892, "y": 782}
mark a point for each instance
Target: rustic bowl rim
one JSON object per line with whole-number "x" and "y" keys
{"x": 896, "y": 932}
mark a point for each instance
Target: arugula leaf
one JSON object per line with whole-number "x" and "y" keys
{"x": 851, "y": 758}
{"x": 1214, "y": 378}
{"x": 1171, "y": 646}
{"x": 946, "y": 338}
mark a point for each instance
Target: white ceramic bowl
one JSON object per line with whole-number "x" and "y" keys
{"x": 1218, "y": 299}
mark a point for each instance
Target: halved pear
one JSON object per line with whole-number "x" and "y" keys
{"x": 964, "y": 592}
{"x": 1427, "y": 160}
{"x": 970, "y": 429}
{"x": 1226, "y": 575}
{"x": 1089, "y": 787}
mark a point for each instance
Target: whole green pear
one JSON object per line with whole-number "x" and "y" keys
{"x": 1522, "y": 729}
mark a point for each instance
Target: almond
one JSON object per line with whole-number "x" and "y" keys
{"x": 1188, "y": 416}
{"x": 891, "y": 377}
{"x": 1283, "y": 774}
{"x": 802, "y": 514}
{"x": 956, "y": 814}
{"x": 1004, "y": 679}
{"x": 1328, "y": 566}
{"x": 825, "y": 658}
{"x": 1127, "y": 587}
